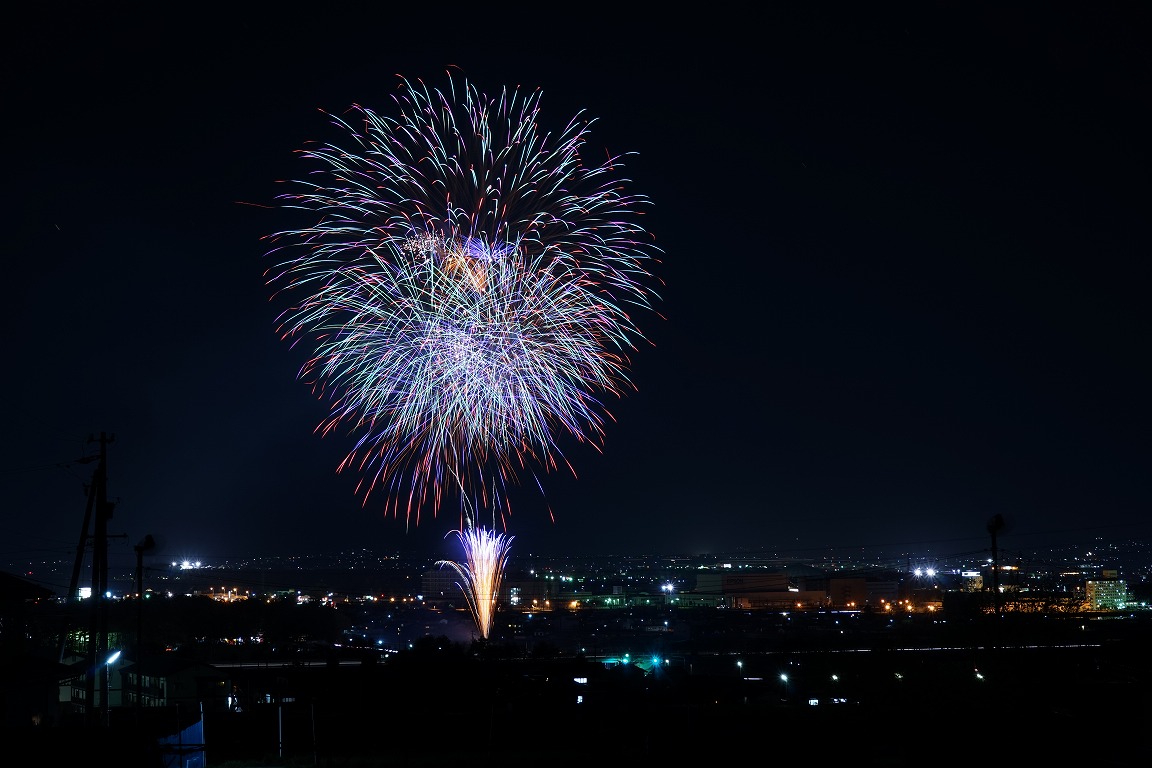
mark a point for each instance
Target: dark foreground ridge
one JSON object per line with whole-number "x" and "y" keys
{"x": 1024, "y": 690}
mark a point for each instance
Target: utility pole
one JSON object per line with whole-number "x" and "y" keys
{"x": 145, "y": 544}
{"x": 81, "y": 547}
{"x": 98, "y": 634}
{"x": 995, "y": 525}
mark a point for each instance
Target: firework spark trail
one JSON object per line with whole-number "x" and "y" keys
{"x": 487, "y": 554}
{"x": 467, "y": 284}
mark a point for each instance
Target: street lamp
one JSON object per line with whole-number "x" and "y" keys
{"x": 105, "y": 688}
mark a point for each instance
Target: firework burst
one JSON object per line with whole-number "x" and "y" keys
{"x": 467, "y": 287}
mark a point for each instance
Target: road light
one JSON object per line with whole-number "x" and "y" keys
{"x": 105, "y": 688}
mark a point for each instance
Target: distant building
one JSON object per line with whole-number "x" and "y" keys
{"x": 971, "y": 581}
{"x": 740, "y": 583}
{"x": 848, "y": 593}
{"x": 167, "y": 681}
{"x": 163, "y": 681}
{"x": 1106, "y": 594}
{"x": 742, "y": 590}
{"x": 880, "y": 592}
{"x": 442, "y": 586}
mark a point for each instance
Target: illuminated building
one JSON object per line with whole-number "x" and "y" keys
{"x": 1106, "y": 594}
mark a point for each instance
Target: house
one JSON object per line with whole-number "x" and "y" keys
{"x": 30, "y": 682}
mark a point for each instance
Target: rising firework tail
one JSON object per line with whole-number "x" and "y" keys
{"x": 482, "y": 573}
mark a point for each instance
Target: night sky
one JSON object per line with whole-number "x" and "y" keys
{"x": 904, "y": 254}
